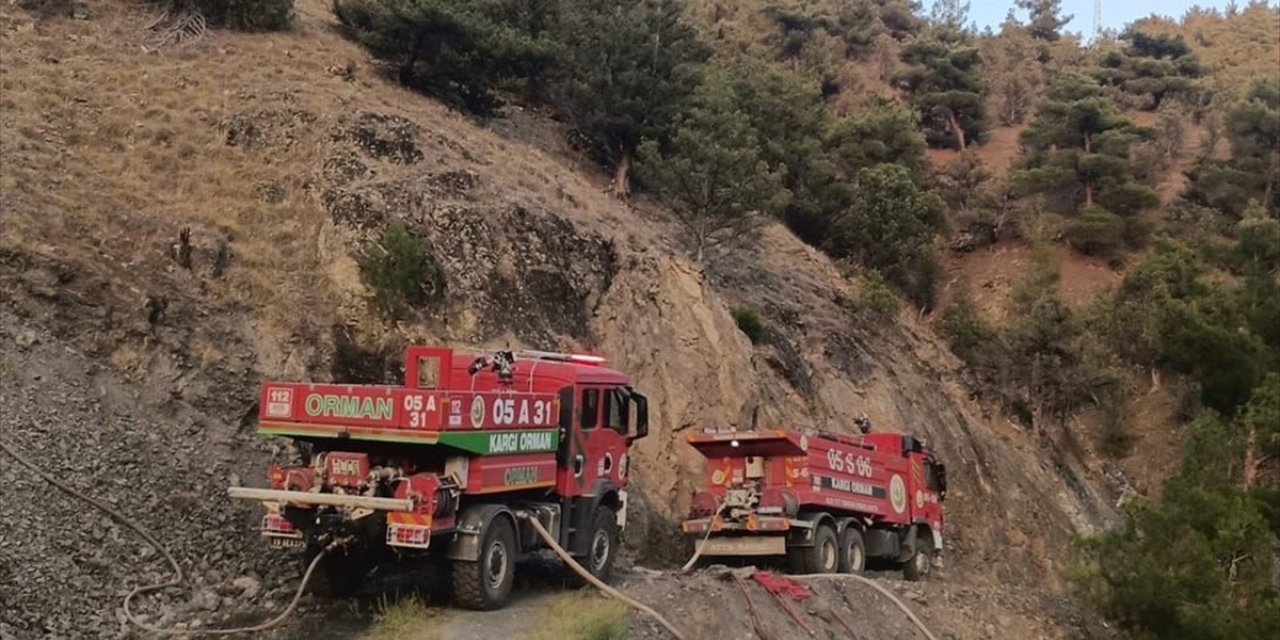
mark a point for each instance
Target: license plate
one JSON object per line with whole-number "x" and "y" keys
{"x": 287, "y": 543}
{"x": 745, "y": 546}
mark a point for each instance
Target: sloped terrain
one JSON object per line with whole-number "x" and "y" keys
{"x": 283, "y": 155}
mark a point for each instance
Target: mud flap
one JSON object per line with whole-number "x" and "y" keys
{"x": 472, "y": 524}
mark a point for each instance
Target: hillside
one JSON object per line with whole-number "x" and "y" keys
{"x": 284, "y": 154}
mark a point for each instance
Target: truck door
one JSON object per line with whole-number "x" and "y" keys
{"x": 596, "y": 440}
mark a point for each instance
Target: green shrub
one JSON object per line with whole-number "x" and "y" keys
{"x": 401, "y": 272}
{"x": 1114, "y": 436}
{"x": 876, "y": 297}
{"x": 889, "y": 226}
{"x": 244, "y": 15}
{"x": 971, "y": 338}
{"x": 1195, "y": 566}
{"x": 48, "y": 8}
{"x": 749, "y": 323}
{"x": 461, "y": 51}
{"x": 1097, "y": 232}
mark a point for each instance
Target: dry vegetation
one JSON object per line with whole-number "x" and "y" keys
{"x": 407, "y": 619}
{"x": 88, "y": 170}
{"x": 109, "y": 144}
{"x": 581, "y": 615}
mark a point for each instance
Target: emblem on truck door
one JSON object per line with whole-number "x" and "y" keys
{"x": 898, "y": 494}
{"x": 477, "y": 412}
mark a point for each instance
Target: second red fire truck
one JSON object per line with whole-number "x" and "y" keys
{"x": 826, "y": 501}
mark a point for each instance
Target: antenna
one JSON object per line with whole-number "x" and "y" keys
{"x": 1097, "y": 18}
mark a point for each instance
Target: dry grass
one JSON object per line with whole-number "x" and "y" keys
{"x": 581, "y": 615}
{"x": 108, "y": 148}
{"x": 407, "y": 619}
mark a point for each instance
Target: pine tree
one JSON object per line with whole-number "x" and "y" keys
{"x": 459, "y": 51}
{"x": 1012, "y": 63}
{"x": 945, "y": 85}
{"x": 1253, "y": 128}
{"x": 798, "y": 24}
{"x": 1253, "y": 171}
{"x": 901, "y": 18}
{"x": 1044, "y": 18}
{"x": 711, "y": 174}
{"x": 791, "y": 121}
{"x": 950, "y": 13}
{"x": 628, "y": 69}
{"x": 883, "y": 132}
{"x": 1078, "y": 147}
{"x": 888, "y": 226}
{"x": 1151, "y": 65}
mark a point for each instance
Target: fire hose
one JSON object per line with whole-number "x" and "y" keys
{"x": 697, "y": 552}
{"x": 888, "y": 594}
{"x": 179, "y": 576}
{"x": 597, "y": 582}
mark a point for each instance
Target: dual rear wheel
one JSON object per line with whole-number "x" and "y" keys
{"x": 831, "y": 552}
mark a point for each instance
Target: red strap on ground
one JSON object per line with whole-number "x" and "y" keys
{"x": 777, "y": 585}
{"x": 751, "y": 608}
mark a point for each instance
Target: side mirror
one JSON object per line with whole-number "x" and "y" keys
{"x": 640, "y": 428}
{"x": 941, "y": 470}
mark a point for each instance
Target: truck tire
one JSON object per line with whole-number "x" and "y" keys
{"x": 822, "y": 557}
{"x": 485, "y": 583}
{"x": 917, "y": 567}
{"x": 602, "y": 547}
{"x": 853, "y": 551}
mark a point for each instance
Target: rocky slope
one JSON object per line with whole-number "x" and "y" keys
{"x": 283, "y": 154}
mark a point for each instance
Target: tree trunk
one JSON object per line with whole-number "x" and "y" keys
{"x": 1266, "y": 193}
{"x": 956, "y": 129}
{"x": 406, "y": 69}
{"x": 700, "y": 230}
{"x": 1250, "y": 475}
{"x": 622, "y": 176}
{"x": 1088, "y": 184}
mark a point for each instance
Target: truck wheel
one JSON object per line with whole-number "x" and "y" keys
{"x": 344, "y": 571}
{"x": 822, "y": 557}
{"x": 853, "y": 552}
{"x": 921, "y": 561}
{"x": 603, "y": 547}
{"x": 485, "y": 583}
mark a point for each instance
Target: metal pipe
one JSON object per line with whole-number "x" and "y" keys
{"x": 331, "y": 499}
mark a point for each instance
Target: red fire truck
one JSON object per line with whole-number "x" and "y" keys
{"x": 447, "y": 466}
{"x": 826, "y": 501}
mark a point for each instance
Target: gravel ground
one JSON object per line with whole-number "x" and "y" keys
{"x": 707, "y": 605}
{"x": 64, "y": 567}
